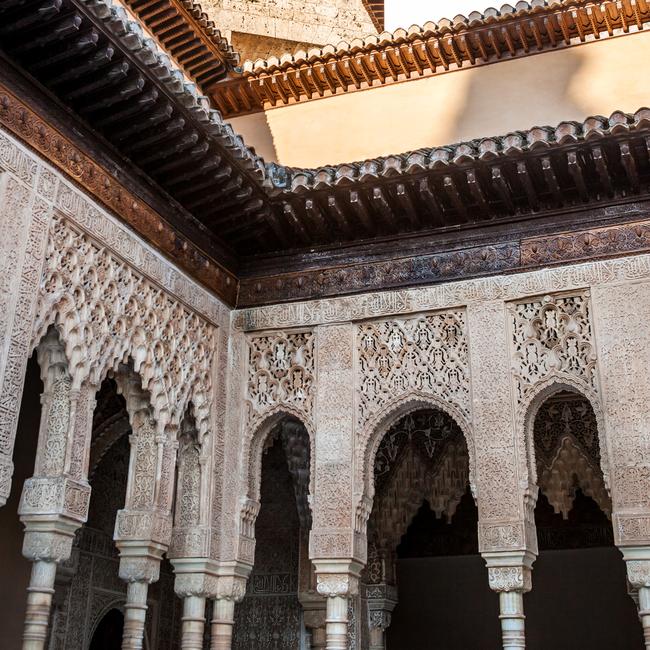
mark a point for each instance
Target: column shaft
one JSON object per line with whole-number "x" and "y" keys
{"x": 223, "y": 619}
{"x": 135, "y": 613}
{"x": 644, "y": 613}
{"x": 512, "y": 619}
{"x": 193, "y": 623}
{"x": 336, "y": 623}
{"x": 39, "y": 603}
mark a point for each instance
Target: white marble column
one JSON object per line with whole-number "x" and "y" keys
{"x": 54, "y": 502}
{"x": 637, "y": 561}
{"x": 337, "y": 581}
{"x": 510, "y": 577}
{"x": 196, "y": 582}
{"x": 382, "y": 599}
{"x": 231, "y": 589}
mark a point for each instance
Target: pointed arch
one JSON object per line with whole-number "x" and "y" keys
{"x": 392, "y": 412}
{"x": 553, "y": 385}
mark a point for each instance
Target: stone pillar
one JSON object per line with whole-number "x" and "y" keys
{"x": 337, "y": 581}
{"x": 138, "y": 569}
{"x": 381, "y": 603}
{"x": 507, "y": 535}
{"x": 621, "y": 313}
{"x": 337, "y": 545}
{"x": 510, "y": 577}
{"x": 637, "y": 560}
{"x": 54, "y": 502}
{"x": 231, "y": 589}
{"x": 196, "y": 581}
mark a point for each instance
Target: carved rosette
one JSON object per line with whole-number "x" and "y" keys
{"x": 337, "y": 585}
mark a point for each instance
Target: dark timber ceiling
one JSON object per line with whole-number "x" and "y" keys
{"x": 111, "y": 78}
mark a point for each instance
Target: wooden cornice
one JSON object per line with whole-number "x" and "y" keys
{"x": 420, "y": 52}
{"x": 80, "y": 167}
{"x": 190, "y": 37}
{"x": 375, "y": 10}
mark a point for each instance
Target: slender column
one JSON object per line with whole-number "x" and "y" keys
{"x": 54, "y": 502}
{"x": 510, "y": 577}
{"x": 196, "y": 581}
{"x": 382, "y": 599}
{"x": 231, "y": 588}
{"x": 138, "y": 569}
{"x": 336, "y": 623}
{"x": 223, "y": 619}
{"x": 135, "y": 614}
{"x": 193, "y": 623}
{"x": 39, "y": 603}
{"x": 638, "y": 575}
{"x": 337, "y": 589}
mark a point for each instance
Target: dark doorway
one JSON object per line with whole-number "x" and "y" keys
{"x": 108, "y": 634}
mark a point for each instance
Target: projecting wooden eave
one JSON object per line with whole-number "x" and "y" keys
{"x": 417, "y": 53}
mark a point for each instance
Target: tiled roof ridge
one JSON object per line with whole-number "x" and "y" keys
{"x": 441, "y": 27}
{"x": 485, "y": 149}
{"x": 169, "y": 74}
{"x": 210, "y": 29}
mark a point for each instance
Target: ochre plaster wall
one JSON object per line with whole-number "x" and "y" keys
{"x": 545, "y": 89}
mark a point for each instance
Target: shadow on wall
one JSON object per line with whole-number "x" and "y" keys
{"x": 533, "y": 91}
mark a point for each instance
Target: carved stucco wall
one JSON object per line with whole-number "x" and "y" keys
{"x": 67, "y": 262}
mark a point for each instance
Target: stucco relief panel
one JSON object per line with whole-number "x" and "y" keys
{"x": 622, "y": 323}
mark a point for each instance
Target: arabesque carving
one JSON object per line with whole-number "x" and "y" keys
{"x": 281, "y": 373}
{"x": 425, "y": 356}
{"x": 107, "y": 312}
{"x": 552, "y": 335}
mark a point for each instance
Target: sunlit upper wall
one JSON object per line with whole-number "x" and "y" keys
{"x": 544, "y": 89}
{"x": 404, "y": 13}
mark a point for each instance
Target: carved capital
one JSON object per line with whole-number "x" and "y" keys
{"x": 341, "y": 584}
{"x": 143, "y": 526}
{"x": 48, "y": 546}
{"x": 60, "y": 496}
{"x": 196, "y": 584}
{"x": 140, "y": 568}
{"x": 510, "y": 571}
{"x": 510, "y": 578}
{"x": 231, "y": 588}
{"x": 637, "y": 560}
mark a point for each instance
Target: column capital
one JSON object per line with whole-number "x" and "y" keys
{"x": 637, "y": 561}
{"x": 510, "y": 571}
{"x": 233, "y": 577}
{"x": 337, "y": 577}
{"x": 195, "y": 577}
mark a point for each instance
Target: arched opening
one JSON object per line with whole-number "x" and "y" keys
{"x": 89, "y": 584}
{"x": 108, "y": 634}
{"x": 423, "y": 541}
{"x": 579, "y": 597}
{"x": 14, "y": 568}
{"x": 270, "y": 616}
